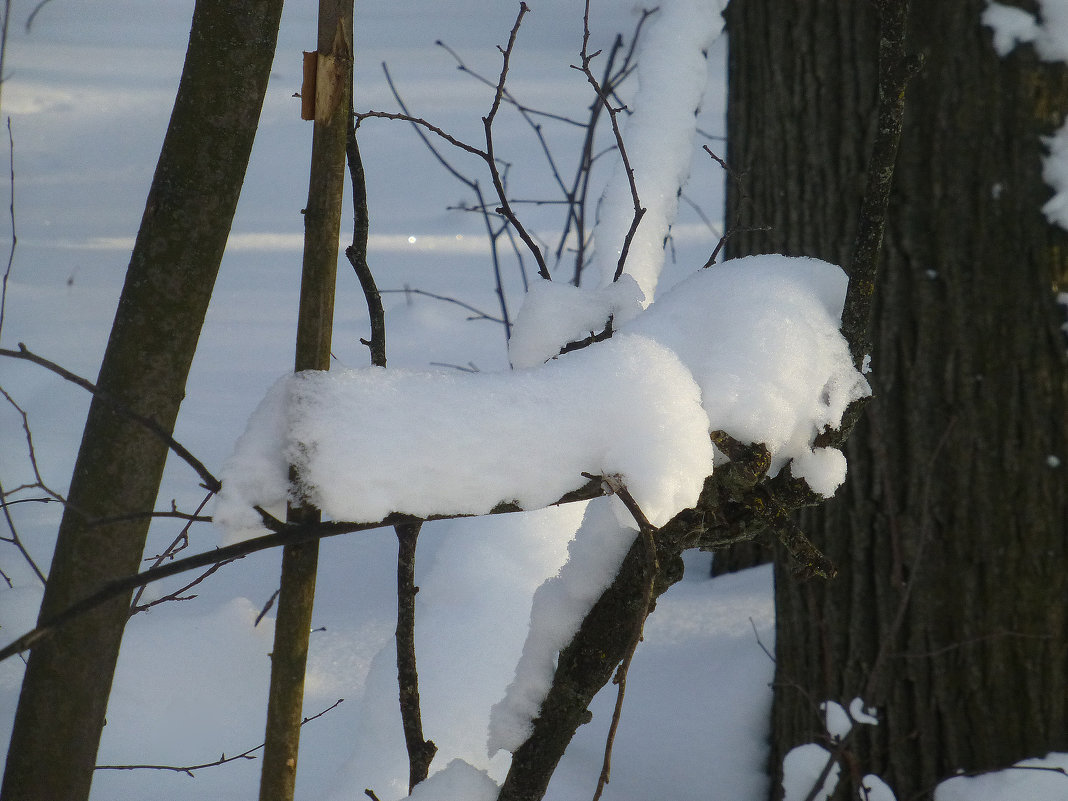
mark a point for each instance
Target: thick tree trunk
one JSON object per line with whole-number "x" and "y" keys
{"x": 956, "y": 507}
{"x": 168, "y": 285}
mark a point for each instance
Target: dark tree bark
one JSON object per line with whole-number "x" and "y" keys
{"x": 168, "y": 285}
{"x": 954, "y": 511}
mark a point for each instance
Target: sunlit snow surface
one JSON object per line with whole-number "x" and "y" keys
{"x": 192, "y": 676}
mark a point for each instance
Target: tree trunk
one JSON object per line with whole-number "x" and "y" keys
{"x": 322, "y": 225}
{"x": 955, "y": 513}
{"x": 168, "y": 285}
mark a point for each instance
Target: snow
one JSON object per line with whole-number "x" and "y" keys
{"x": 558, "y": 607}
{"x": 1010, "y": 25}
{"x": 861, "y": 713}
{"x": 373, "y": 441}
{"x": 801, "y": 770}
{"x": 776, "y": 369}
{"x": 659, "y": 138}
{"x": 457, "y": 781}
{"x": 1055, "y": 174}
{"x": 554, "y": 314}
{"x": 1048, "y": 31}
{"x": 836, "y": 720}
{"x": 874, "y": 788}
{"x": 192, "y": 676}
{"x": 1043, "y": 779}
{"x": 759, "y": 337}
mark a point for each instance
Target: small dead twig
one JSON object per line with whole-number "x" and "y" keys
{"x": 188, "y": 770}
{"x": 420, "y": 750}
{"x": 487, "y": 155}
{"x": 647, "y": 532}
{"x": 11, "y": 206}
{"x": 356, "y": 253}
{"x": 210, "y": 482}
{"x": 492, "y": 231}
{"x": 613, "y": 111}
{"x": 477, "y": 314}
{"x": 735, "y": 226}
{"x": 179, "y": 544}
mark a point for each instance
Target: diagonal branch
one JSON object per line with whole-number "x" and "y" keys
{"x": 896, "y": 68}
{"x": 210, "y": 482}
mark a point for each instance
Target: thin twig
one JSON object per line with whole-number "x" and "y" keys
{"x": 356, "y": 253}
{"x": 477, "y": 313}
{"x": 179, "y": 544}
{"x": 281, "y": 534}
{"x": 895, "y": 71}
{"x": 210, "y": 482}
{"x": 420, "y": 750}
{"x": 587, "y": 57}
{"x": 222, "y": 760}
{"x": 487, "y": 124}
{"x": 492, "y": 232}
{"x": 11, "y": 207}
{"x": 652, "y": 569}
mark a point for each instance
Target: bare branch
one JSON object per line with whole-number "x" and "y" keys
{"x": 420, "y": 750}
{"x": 613, "y": 111}
{"x": 477, "y": 313}
{"x": 210, "y": 482}
{"x": 11, "y": 207}
{"x": 282, "y": 534}
{"x": 356, "y": 253}
{"x": 895, "y": 71}
{"x": 473, "y": 185}
{"x": 652, "y": 568}
{"x": 222, "y": 760}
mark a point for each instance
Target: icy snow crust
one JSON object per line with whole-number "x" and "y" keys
{"x": 751, "y": 347}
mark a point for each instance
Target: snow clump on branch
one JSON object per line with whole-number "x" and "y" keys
{"x": 751, "y": 347}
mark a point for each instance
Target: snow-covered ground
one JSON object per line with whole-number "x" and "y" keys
{"x": 89, "y": 91}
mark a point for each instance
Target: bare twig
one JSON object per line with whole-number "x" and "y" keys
{"x": 33, "y": 14}
{"x": 356, "y": 253}
{"x": 222, "y": 760}
{"x": 487, "y": 155}
{"x": 896, "y": 68}
{"x": 179, "y": 544}
{"x": 281, "y": 534}
{"x": 492, "y": 232}
{"x": 11, "y": 164}
{"x": 735, "y": 226}
{"x": 210, "y": 482}
{"x": 586, "y": 58}
{"x": 652, "y": 568}
{"x": 477, "y": 314}
{"x": 487, "y": 124}
{"x": 420, "y": 750}
{"x": 38, "y": 484}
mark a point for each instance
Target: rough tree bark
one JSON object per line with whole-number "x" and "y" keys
{"x": 168, "y": 285}
{"x": 322, "y": 226}
{"x": 954, "y": 509}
